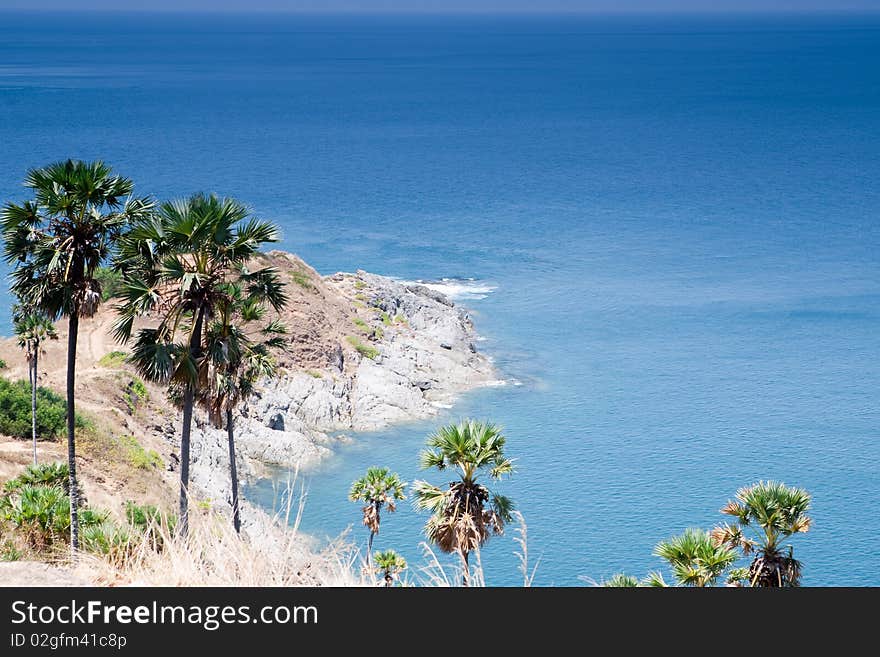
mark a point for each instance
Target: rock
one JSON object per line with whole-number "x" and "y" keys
{"x": 276, "y": 422}
{"x": 439, "y": 297}
{"x": 426, "y": 359}
{"x": 337, "y": 359}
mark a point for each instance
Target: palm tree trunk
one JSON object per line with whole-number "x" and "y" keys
{"x": 72, "y": 333}
{"x": 188, "y": 398}
{"x": 233, "y": 471}
{"x": 466, "y": 569}
{"x": 33, "y": 372}
{"x": 195, "y": 347}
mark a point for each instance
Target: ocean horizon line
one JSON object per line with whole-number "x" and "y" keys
{"x": 460, "y": 12}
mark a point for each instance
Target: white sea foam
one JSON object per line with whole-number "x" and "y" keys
{"x": 458, "y": 288}
{"x": 498, "y": 383}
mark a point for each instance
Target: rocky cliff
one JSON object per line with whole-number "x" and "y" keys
{"x": 364, "y": 352}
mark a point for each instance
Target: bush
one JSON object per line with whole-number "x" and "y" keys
{"x": 109, "y": 540}
{"x": 41, "y": 514}
{"x": 361, "y": 324}
{"x": 45, "y": 474}
{"x": 141, "y": 516}
{"x": 302, "y": 279}
{"x": 9, "y": 552}
{"x": 135, "y": 393}
{"x": 114, "y": 359}
{"x": 15, "y": 411}
{"x": 364, "y": 350}
{"x": 110, "y": 282}
{"x": 36, "y": 508}
{"x": 136, "y": 455}
{"x": 2, "y": 364}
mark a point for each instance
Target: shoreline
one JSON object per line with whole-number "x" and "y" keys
{"x": 426, "y": 359}
{"x": 363, "y": 352}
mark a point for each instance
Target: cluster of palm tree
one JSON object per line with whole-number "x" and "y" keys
{"x": 464, "y": 513}
{"x": 379, "y": 489}
{"x": 187, "y": 265}
{"x": 183, "y": 263}
{"x": 766, "y": 515}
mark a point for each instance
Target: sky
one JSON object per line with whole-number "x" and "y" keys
{"x": 487, "y": 6}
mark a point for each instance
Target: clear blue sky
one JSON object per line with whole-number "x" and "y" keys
{"x": 449, "y": 5}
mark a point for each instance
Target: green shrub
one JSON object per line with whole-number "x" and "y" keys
{"x": 400, "y": 319}
{"x": 364, "y": 350}
{"x": 110, "y": 282}
{"x": 10, "y": 552}
{"x": 361, "y": 324}
{"x": 135, "y": 393}
{"x": 105, "y": 538}
{"x": 45, "y": 474}
{"x": 359, "y": 285}
{"x": 36, "y": 508}
{"x": 141, "y": 516}
{"x": 386, "y": 320}
{"x": 2, "y": 364}
{"x": 40, "y": 514}
{"x": 114, "y": 359}
{"x": 302, "y": 279}
{"x": 135, "y": 454}
{"x": 15, "y": 411}
{"x": 314, "y": 374}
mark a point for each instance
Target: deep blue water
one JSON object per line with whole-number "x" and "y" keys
{"x": 679, "y": 217}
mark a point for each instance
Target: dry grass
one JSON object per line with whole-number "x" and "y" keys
{"x": 271, "y": 551}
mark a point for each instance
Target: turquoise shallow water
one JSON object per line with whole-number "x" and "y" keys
{"x": 678, "y": 218}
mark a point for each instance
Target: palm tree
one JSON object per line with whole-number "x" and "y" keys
{"x": 695, "y": 559}
{"x": 238, "y": 360}
{"x": 57, "y": 241}
{"x": 176, "y": 267}
{"x": 32, "y": 330}
{"x": 378, "y": 488}
{"x": 390, "y": 565}
{"x": 620, "y": 581}
{"x": 465, "y": 513}
{"x": 774, "y": 512}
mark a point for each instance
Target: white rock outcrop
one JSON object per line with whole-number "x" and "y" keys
{"x": 417, "y": 356}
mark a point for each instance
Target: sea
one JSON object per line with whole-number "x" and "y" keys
{"x": 666, "y": 229}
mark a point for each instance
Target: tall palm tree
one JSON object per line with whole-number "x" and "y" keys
{"x": 32, "y": 329}
{"x": 379, "y": 488}
{"x": 465, "y": 513}
{"x": 695, "y": 559}
{"x": 773, "y": 512}
{"x": 238, "y": 358}
{"x": 57, "y": 240}
{"x": 389, "y": 564}
{"x": 176, "y": 267}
